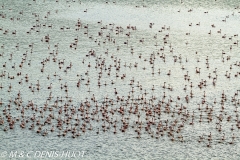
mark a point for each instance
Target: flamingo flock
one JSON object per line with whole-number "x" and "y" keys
{"x": 68, "y": 77}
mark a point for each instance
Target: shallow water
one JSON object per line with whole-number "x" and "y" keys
{"x": 172, "y": 20}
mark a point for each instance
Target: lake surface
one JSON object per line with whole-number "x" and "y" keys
{"x": 128, "y": 80}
